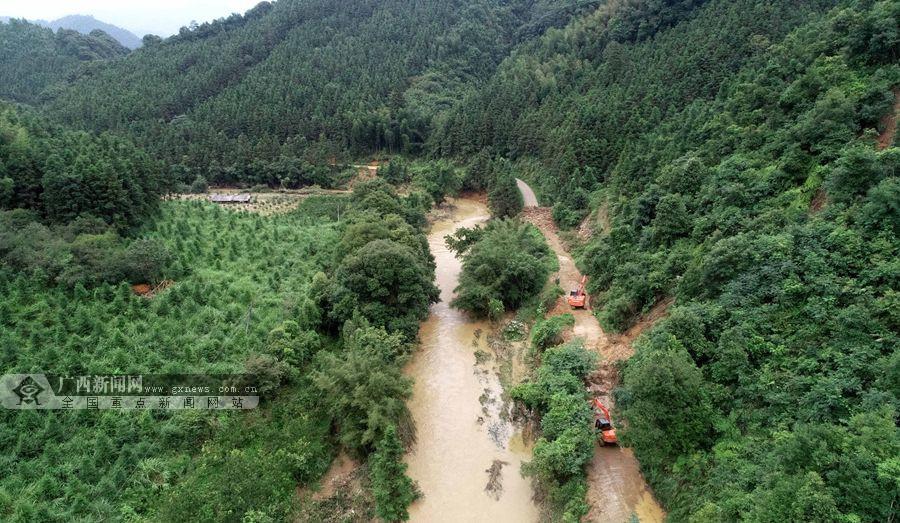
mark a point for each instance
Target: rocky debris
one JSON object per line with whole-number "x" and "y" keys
{"x": 494, "y": 487}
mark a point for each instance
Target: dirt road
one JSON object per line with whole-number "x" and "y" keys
{"x": 527, "y": 194}
{"x": 617, "y": 489}
{"x": 467, "y": 454}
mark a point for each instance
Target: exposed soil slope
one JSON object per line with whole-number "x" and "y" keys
{"x": 889, "y": 123}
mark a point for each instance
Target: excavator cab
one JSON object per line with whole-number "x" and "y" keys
{"x": 578, "y": 297}
{"x": 603, "y": 424}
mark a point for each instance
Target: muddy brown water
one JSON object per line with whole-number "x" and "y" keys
{"x": 617, "y": 489}
{"x": 464, "y": 441}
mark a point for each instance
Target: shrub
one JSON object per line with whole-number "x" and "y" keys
{"x": 289, "y": 343}
{"x": 566, "y": 410}
{"x": 504, "y": 198}
{"x": 266, "y": 372}
{"x": 548, "y": 332}
{"x": 145, "y": 260}
{"x": 665, "y": 401}
{"x": 199, "y": 185}
{"x": 567, "y": 217}
{"x": 375, "y": 196}
{"x": 478, "y": 173}
{"x": 567, "y": 441}
{"x": 387, "y": 283}
{"x": 366, "y": 394}
{"x": 560, "y": 459}
{"x": 395, "y": 172}
{"x": 438, "y": 180}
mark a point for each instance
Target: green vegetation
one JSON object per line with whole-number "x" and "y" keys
{"x": 386, "y": 272}
{"x": 34, "y": 60}
{"x": 238, "y": 278}
{"x": 567, "y": 438}
{"x": 731, "y": 144}
{"x": 74, "y": 195}
{"x": 300, "y": 81}
{"x": 504, "y": 264}
{"x": 64, "y": 175}
{"x": 728, "y": 147}
{"x": 392, "y": 489}
{"x": 250, "y": 296}
{"x": 364, "y": 387}
{"x": 547, "y": 332}
{"x": 438, "y": 180}
{"x": 504, "y": 198}
{"x": 379, "y": 291}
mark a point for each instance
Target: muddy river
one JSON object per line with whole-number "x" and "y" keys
{"x": 467, "y": 456}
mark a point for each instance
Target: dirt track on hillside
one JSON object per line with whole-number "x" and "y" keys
{"x": 889, "y": 123}
{"x": 616, "y": 488}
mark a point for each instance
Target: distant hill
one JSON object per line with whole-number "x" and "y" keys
{"x": 84, "y": 24}
{"x": 34, "y": 58}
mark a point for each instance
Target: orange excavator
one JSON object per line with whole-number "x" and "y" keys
{"x": 578, "y": 298}
{"x": 603, "y": 423}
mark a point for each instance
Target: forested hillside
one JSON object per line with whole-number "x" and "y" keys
{"x": 725, "y": 154}
{"x": 323, "y": 334}
{"x": 34, "y": 58}
{"x": 302, "y": 79}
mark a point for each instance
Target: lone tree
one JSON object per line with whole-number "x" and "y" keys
{"x": 504, "y": 198}
{"x": 393, "y": 489}
{"x": 507, "y": 265}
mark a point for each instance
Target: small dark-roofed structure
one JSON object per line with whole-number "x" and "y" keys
{"x": 230, "y": 198}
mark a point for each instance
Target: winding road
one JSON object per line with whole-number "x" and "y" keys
{"x": 616, "y": 488}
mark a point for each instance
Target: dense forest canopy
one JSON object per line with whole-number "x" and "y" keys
{"x": 725, "y": 154}
{"x": 62, "y": 175}
{"x": 304, "y": 79}
{"x": 33, "y": 59}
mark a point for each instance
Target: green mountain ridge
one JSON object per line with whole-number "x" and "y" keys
{"x": 34, "y": 59}
{"x": 297, "y": 76}
{"x": 86, "y": 24}
{"x": 730, "y": 162}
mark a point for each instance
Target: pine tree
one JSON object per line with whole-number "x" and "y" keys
{"x": 392, "y": 488}
{"x": 504, "y": 199}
